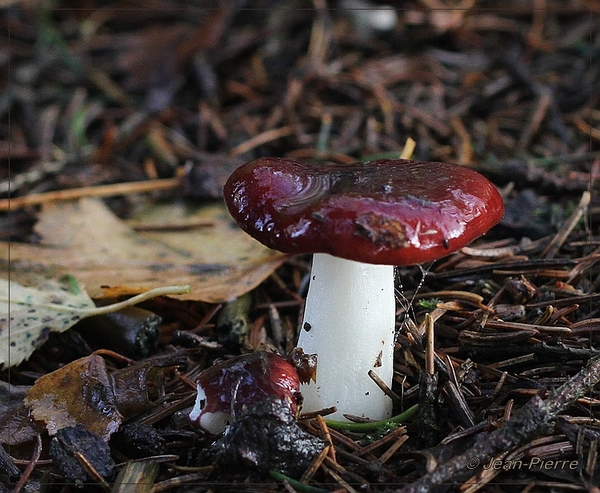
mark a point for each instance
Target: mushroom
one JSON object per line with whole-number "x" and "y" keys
{"x": 228, "y": 388}
{"x": 360, "y": 220}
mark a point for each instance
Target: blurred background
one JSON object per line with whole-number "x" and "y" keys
{"x": 106, "y": 92}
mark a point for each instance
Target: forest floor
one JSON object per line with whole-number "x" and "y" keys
{"x": 148, "y": 104}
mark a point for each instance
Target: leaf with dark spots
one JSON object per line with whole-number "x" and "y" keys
{"x": 30, "y": 297}
{"x": 34, "y": 311}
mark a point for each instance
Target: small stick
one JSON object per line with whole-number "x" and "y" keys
{"x": 428, "y": 389}
{"x": 356, "y": 478}
{"x": 338, "y": 479}
{"x": 474, "y": 298}
{"x": 565, "y": 230}
{"x": 465, "y": 156}
{"x": 535, "y": 418}
{"x": 95, "y": 191}
{"x": 430, "y": 347}
{"x": 326, "y": 436}
{"x": 37, "y": 452}
{"x": 393, "y": 435}
{"x": 383, "y": 458}
{"x": 386, "y": 390}
{"x": 409, "y": 147}
{"x": 315, "y": 464}
{"x": 525, "y": 245}
{"x": 343, "y": 440}
{"x": 260, "y": 139}
{"x": 541, "y": 108}
{"x": 92, "y": 472}
{"x": 187, "y": 479}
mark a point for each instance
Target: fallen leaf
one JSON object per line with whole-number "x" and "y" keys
{"x": 85, "y": 239}
{"x": 79, "y": 393}
{"x": 16, "y": 427}
{"x": 28, "y": 313}
{"x": 35, "y": 301}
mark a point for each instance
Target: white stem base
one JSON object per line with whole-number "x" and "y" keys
{"x": 349, "y": 322}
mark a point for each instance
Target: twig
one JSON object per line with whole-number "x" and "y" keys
{"x": 374, "y": 425}
{"x": 430, "y": 347}
{"x": 315, "y": 465}
{"x": 533, "y": 125}
{"x": 92, "y": 471}
{"x": 31, "y": 466}
{"x": 533, "y": 419}
{"x": 384, "y": 388}
{"x": 95, "y": 191}
{"x": 187, "y": 479}
{"x": 428, "y": 388}
{"x": 565, "y": 230}
{"x": 260, "y": 139}
{"x": 325, "y": 434}
{"x": 525, "y": 245}
{"x": 390, "y": 437}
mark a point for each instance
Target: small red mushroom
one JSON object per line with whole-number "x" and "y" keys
{"x": 360, "y": 220}
{"x": 226, "y": 388}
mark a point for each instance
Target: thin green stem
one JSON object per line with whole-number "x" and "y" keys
{"x": 374, "y": 425}
{"x": 153, "y": 293}
{"x": 297, "y": 485}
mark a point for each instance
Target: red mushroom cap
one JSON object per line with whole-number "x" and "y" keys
{"x": 389, "y": 211}
{"x": 227, "y": 387}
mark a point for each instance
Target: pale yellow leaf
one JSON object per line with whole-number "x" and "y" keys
{"x": 85, "y": 239}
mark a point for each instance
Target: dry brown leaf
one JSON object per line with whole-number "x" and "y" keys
{"x": 85, "y": 239}
{"x": 79, "y": 393}
{"x": 16, "y": 426}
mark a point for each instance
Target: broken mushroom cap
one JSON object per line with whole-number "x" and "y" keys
{"x": 388, "y": 211}
{"x": 226, "y": 389}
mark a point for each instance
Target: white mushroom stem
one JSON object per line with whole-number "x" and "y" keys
{"x": 349, "y": 322}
